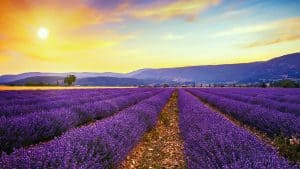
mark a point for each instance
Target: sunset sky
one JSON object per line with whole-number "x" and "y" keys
{"x": 122, "y": 36}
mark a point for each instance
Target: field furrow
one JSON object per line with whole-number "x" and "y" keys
{"x": 162, "y": 146}
{"x": 194, "y": 128}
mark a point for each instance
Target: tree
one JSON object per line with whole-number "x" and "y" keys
{"x": 165, "y": 85}
{"x": 286, "y": 83}
{"x": 263, "y": 85}
{"x": 69, "y": 80}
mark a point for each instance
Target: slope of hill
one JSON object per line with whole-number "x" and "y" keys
{"x": 51, "y": 80}
{"x": 109, "y": 81}
{"x": 92, "y": 81}
{"x": 11, "y": 78}
{"x": 287, "y": 66}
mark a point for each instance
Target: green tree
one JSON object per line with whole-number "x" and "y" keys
{"x": 69, "y": 80}
{"x": 286, "y": 83}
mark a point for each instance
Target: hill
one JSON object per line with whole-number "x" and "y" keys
{"x": 11, "y": 78}
{"x": 110, "y": 81}
{"x": 36, "y": 80}
{"x": 287, "y": 66}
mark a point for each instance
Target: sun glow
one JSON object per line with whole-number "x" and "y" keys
{"x": 43, "y": 33}
{"x": 122, "y": 36}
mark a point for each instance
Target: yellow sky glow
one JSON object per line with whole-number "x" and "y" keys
{"x": 56, "y": 36}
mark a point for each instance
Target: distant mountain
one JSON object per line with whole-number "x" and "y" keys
{"x": 90, "y": 81}
{"x": 11, "y": 78}
{"x": 52, "y": 80}
{"x": 136, "y": 72}
{"x": 110, "y": 81}
{"x": 287, "y": 66}
{"x": 89, "y": 74}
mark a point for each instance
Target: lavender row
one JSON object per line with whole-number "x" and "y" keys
{"x": 25, "y": 99}
{"x": 211, "y": 141}
{"x": 282, "y": 95}
{"x": 274, "y": 91}
{"x": 35, "y": 127}
{"x": 67, "y": 100}
{"x": 272, "y": 122}
{"x": 103, "y": 144}
{"x": 258, "y": 100}
{"x": 32, "y": 96}
{"x": 286, "y": 98}
{"x": 23, "y": 109}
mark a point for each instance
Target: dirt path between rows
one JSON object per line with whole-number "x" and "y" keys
{"x": 161, "y": 147}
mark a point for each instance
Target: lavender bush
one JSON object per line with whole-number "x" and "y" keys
{"x": 19, "y": 103}
{"x": 272, "y": 122}
{"x": 32, "y": 128}
{"x": 211, "y": 141}
{"x": 287, "y": 107}
{"x": 278, "y": 94}
{"x": 103, "y": 144}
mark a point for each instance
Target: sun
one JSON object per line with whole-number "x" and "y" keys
{"x": 42, "y": 33}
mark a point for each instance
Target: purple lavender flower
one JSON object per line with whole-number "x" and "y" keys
{"x": 211, "y": 141}
{"x": 103, "y": 144}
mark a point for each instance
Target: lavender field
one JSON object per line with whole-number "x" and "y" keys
{"x": 99, "y": 128}
{"x": 149, "y": 84}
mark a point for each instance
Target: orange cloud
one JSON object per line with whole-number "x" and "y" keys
{"x": 187, "y": 9}
{"x": 269, "y": 33}
{"x": 279, "y": 32}
{"x": 272, "y": 41}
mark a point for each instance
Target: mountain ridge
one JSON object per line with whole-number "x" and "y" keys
{"x": 286, "y": 66}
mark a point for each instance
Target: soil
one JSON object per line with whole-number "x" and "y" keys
{"x": 161, "y": 147}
